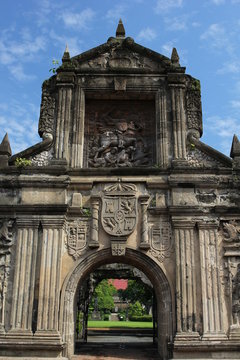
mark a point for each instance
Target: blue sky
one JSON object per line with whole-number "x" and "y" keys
{"x": 206, "y": 34}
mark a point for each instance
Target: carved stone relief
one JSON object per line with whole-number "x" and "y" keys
{"x": 207, "y": 197}
{"x": 46, "y": 120}
{"x": 230, "y": 231}
{"x": 119, "y": 58}
{"x": 119, "y": 209}
{"x": 194, "y": 105}
{"x": 119, "y": 133}
{"x": 5, "y": 252}
{"x": 198, "y": 159}
{"x": 161, "y": 240}
{"x": 77, "y": 236}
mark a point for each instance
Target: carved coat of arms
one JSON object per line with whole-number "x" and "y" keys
{"x": 161, "y": 240}
{"x": 77, "y": 237}
{"x": 119, "y": 209}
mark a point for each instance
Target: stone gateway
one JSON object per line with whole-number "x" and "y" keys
{"x": 120, "y": 176}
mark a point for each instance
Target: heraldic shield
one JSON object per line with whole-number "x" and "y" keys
{"x": 119, "y": 209}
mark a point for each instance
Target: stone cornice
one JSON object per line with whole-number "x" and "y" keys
{"x": 27, "y": 222}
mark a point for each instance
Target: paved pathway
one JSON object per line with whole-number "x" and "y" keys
{"x": 121, "y": 347}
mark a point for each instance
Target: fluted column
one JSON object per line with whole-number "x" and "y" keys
{"x": 63, "y": 123}
{"x": 24, "y": 276}
{"x": 185, "y": 280}
{"x": 162, "y": 131}
{"x": 94, "y": 242}
{"x": 179, "y": 121}
{"x": 50, "y": 275}
{"x": 211, "y": 282}
{"x": 144, "y": 244}
{"x": 78, "y": 128}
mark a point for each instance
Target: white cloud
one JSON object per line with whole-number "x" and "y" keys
{"x": 79, "y": 20}
{"x": 74, "y": 44}
{"x": 176, "y": 23}
{"x": 147, "y": 34}
{"x": 167, "y": 48}
{"x": 231, "y": 66}
{"x": 225, "y": 127}
{"x": 218, "y": 2}
{"x": 116, "y": 13}
{"x": 217, "y": 38}
{"x": 166, "y": 5}
{"x": 17, "y": 71}
{"x": 235, "y": 104}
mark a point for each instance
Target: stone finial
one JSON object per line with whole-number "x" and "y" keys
{"x": 120, "y": 32}
{"x": 66, "y": 55}
{"x": 5, "y": 148}
{"x": 235, "y": 150}
{"x": 175, "y": 57}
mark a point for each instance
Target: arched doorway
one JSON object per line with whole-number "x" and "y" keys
{"x": 163, "y": 291}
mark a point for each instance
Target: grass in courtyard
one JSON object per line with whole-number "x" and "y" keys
{"x": 120, "y": 324}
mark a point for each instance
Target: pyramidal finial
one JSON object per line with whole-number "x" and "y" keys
{"x": 235, "y": 150}
{"x": 175, "y": 57}
{"x": 120, "y": 32}
{"x": 66, "y": 55}
{"x": 5, "y": 148}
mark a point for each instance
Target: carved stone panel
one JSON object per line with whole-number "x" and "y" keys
{"x": 161, "y": 239}
{"x": 77, "y": 234}
{"x": 119, "y": 133}
{"x": 119, "y": 209}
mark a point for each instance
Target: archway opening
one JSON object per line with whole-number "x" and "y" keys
{"x": 137, "y": 259}
{"x": 115, "y": 304}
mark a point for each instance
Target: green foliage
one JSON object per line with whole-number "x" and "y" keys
{"x": 104, "y": 292}
{"x": 86, "y": 212}
{"x": 137, "y": 291}
{"x": 118, "y": 324}
{"x": 141, "y": 318}
{"x": 54, "y": 69}
{"x": 135, "y": 309}
{"x": 21, "y": 162}
{"x": 196, "y": 86}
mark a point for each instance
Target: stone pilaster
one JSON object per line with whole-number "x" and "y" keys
{"x": 24, "y": 277}
{"x": 179, "y": 122}
{"x": 63, "y": 123}
{"x": 186, "y": 293}
{"x": 162, "y": 130}
{"x": 144, "y": 244}
{"x": 94, "y": 243}
{"x": 78, "y": 128}
{"x": 50, "y": 275}
{"x": 211, "y": 282}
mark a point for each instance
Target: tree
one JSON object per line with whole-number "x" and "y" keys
{"x": 137, "y": 291}
{"x": 135, "y": 309}
{"x": 104, "y": 292}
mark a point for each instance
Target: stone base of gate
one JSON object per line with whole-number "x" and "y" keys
{"x": 225, "y": 349}
{"x": 30, "y": 348}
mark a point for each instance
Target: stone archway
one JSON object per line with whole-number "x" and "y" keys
{"x": 153, "y": 271}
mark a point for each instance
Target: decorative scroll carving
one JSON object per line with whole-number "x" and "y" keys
{"x": 194, "y": 105}
{"x": 198, "y": 159}
{"x": 77, "y": 234}
{"x": 231, "y": 231}
{"x": 117, "y": 136}
{"x": 46, "y": 120}
{"x": 119, "y": 209}
{"x": 5, "y": 251}
{"x": 161, "y": 240}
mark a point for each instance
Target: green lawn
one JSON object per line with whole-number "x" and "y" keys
{"x": 120, "y": 324}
